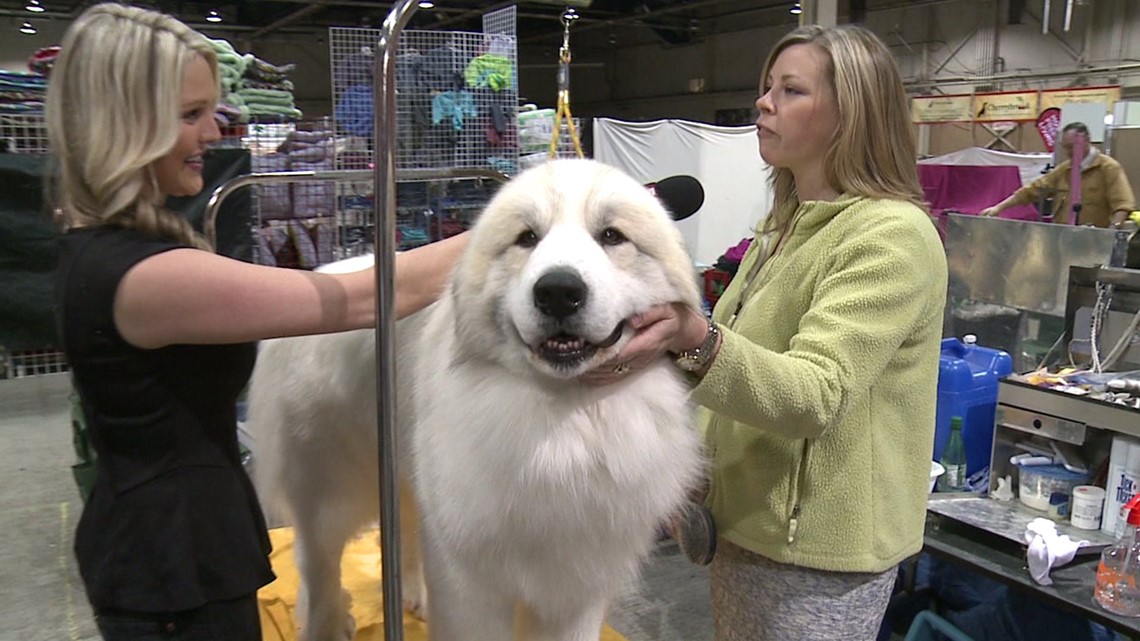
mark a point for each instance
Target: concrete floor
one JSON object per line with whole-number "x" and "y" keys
{"x": 42, "y": 599}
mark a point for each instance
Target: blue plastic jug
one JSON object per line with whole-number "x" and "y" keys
{"x": 968, "y": 376}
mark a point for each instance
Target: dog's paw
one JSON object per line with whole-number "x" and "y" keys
{"x": 415, "y": 598}
{"x": 329, "y": 632}
{"x": 329, "y": 623}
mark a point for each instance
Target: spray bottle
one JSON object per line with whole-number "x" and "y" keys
{"x": 1118, "y": 575}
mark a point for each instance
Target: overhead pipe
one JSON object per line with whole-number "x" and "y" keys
{"x": 309, "y": 9}
{"x": 1087, "y": 41}
{"x": 750, "y": 93}
{"x": 634, "y": 18}
{"x": 954, "y": 53}
{"x": 474, "y": 13}
{"x": 1124, "y": 70}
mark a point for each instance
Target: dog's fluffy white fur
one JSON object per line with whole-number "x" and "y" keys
{"x": 536, "y": 496}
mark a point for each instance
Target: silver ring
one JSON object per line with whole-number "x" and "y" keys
{"x": 622, "y": 368}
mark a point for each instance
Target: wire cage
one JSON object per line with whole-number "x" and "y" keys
{"x": 456, "y": 108}
{"x": 294, "y": 223}
{"x": 456, "y": 96}
{"x": 23, "y": 134}
{"x": 31, "y": 362}
{"x": 426, "y": 211}
{"x": 27, "y": 134}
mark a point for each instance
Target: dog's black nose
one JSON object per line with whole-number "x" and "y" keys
{"x": 559, "y": 294}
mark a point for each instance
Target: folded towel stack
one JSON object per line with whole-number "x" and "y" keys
{"x": 231, "y": 68}
{"x": 266, "y": 90}
{"x": 311, "y": 149}
{"x": 253, "y": 89}
{"x": 22, "y": 92}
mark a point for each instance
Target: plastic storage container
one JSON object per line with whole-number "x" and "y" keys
{"x": 968, "y": 378}
{"x": 1038, "y": 483}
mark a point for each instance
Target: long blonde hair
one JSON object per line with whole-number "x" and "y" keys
{"x": 113, "y": 109}
{"x": 873, "y": 151}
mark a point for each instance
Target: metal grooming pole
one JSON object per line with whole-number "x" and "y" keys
{"x": 384, "y": 184}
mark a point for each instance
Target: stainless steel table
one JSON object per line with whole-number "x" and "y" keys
{"x": 1003, "y": 560}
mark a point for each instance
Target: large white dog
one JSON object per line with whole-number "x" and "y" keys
{"x": 538, "y": 496}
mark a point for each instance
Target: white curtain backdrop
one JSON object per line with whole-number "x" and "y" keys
{"x": 725, "y": 159}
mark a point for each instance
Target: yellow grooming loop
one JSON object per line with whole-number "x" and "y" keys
{"x": 568, "y": 18}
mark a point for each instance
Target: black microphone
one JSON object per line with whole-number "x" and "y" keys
{"x": 681, "y": 195}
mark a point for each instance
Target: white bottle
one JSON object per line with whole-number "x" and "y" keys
{"x": 1122, "y": 482}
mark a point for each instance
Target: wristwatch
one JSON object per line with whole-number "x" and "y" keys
{"x": 692, "y": 360}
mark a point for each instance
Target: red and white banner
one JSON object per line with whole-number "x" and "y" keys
{"x": 1049, "y": 125}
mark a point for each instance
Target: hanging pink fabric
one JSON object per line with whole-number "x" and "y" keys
{"x": 968, "y": 189}
{"x": 1080, "y": 148}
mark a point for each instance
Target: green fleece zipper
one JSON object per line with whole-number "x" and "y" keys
{"x": 801, "y": 472}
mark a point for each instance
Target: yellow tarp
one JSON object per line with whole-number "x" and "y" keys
{"x": 360, "y": 569}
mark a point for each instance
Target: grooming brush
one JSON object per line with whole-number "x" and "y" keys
{"x": 696, "y": 533}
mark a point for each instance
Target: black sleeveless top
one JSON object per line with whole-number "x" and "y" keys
{"x": 173, "y": 520}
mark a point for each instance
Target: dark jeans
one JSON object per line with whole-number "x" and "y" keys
{"x": 235, "y": 620}
{"x": 986, "y": 610}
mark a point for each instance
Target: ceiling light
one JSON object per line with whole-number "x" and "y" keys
{"x": 796, "y": 9}
{"x": 34, "y": 6}
{"x": 213, "y": 16}
{"x": 426, "y": 4}
{"x": 27, "y": 28}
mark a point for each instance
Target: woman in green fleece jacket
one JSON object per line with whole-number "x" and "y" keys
{"x": 817, "y": 378}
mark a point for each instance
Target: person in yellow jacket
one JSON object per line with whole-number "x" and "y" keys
{"x": 818, "y": 373}
{"x": 1106, "y": 196}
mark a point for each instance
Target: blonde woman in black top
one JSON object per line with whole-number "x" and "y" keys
{"x": 160, "y": 331}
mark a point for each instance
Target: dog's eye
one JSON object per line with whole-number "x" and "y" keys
{"x": 611, "y": 236}
{"x": 527, "y": 239}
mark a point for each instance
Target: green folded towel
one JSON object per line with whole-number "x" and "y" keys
{"x": 266, "y": 96}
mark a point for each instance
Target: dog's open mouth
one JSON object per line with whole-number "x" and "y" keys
{"x": 565, "y": 350}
